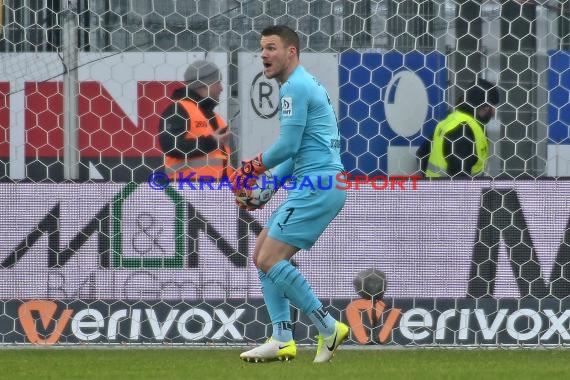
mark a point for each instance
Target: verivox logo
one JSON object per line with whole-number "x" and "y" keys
{"x": 47, "y": 313}
{"x": 455, "y": 321}
{"x": 96, "y": 322}
{"x": 355, "y": 312}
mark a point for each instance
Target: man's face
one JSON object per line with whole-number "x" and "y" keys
{"x": 214, "y": 90}
{"x": 277, "y": 58}
{"x": 485, "y": 113}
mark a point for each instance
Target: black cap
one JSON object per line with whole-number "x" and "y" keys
{"x": 481, "y": 92}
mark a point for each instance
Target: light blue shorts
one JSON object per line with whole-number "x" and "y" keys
{"x": 306, "y": 213}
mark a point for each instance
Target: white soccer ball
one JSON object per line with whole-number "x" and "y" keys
{"x": 259, "y": 194}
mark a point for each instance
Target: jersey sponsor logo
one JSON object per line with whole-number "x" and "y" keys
{"x": 335, "y": 143}
{"x": 287, "y": 107}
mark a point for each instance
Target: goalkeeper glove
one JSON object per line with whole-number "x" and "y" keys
{"x": 248, "y": 207}
{"x": 249, "y": 168}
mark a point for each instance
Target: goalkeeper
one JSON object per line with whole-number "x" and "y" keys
{"x": 308, "y": 145}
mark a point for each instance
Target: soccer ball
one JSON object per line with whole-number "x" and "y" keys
{"x": 370, "y": 283}
{"x": 258, "y": 195}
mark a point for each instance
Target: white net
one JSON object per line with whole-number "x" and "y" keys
{"x": 92, "y": 252}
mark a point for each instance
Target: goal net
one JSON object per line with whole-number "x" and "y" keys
{"x": 94, "y": 250}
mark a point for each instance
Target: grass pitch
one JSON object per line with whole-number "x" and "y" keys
{"x": 202, "y": 364}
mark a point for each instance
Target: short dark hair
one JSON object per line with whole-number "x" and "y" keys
{"x": 482, "y": 92}
{"x": 478, "y": 93}
{"x": 288, "y": 35}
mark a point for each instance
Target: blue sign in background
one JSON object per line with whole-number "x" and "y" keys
{"x": 559, "y": 102}
{"x": 365, "y": 133}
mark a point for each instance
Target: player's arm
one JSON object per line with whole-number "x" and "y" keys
{"x": 281, "y": 152}
{"x": 283, "y": 172}
{"x": 285, "y": 147}
{"x": 294, "y": 111}
{"x": 173, "y": 140}
{"x": 284, "y": 169}
{"x": 293, "y": 120}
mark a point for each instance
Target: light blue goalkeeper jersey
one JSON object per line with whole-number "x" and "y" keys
{"x": 309, "y": 138}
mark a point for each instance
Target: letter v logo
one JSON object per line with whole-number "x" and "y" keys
{"x": 46, "y": 310}
{"x": 354, "y": 314}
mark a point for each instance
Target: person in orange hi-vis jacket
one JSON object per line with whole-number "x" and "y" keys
{"x": 193, "y": 137}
